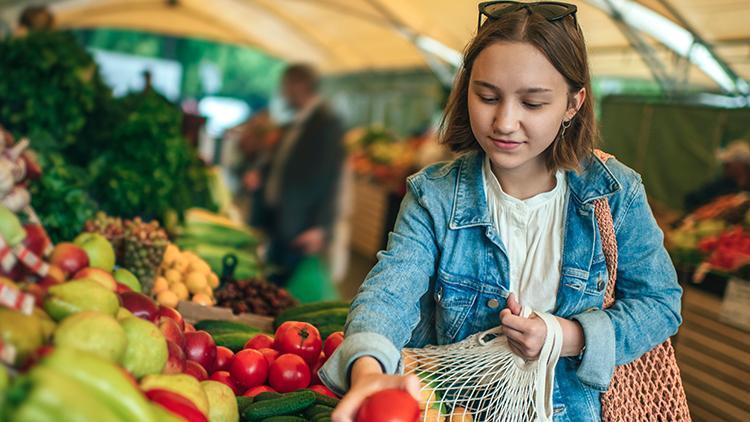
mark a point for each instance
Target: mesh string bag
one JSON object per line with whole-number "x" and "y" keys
{"x": 649, "y": 388}
{"x": 482, "y": 379}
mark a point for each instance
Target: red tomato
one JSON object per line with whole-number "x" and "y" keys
{"x": 248, "y": 368}
{"x": 389, "y": 406}
{"x": 196, "y": 370}
{"x": 225, "y": 378}
{"x": 300, "y": 338}
{"x": 289, "y": 373}
{"x": 269, "y": 354}
{"x": 322, "y": 389}
{"x": 314, "y": 373}
{"x": 259, "y": 341}
{"x": 332, "y": 343}
{"x": 224, "y": 357}
{"x": 257, "y": 390}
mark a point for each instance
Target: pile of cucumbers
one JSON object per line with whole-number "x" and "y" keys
{"x": 302, "y": 405}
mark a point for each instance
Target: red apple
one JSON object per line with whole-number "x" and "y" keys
{"x": 140, "y": 305}
{"x": 122, "y": 288}
{"x": 55, "y": 274}
{"x": 69, "y": 257}
{"x": 97, "y": 274}
{"x": 252, "y": 392}
{"x": 224, "y": 378}
{"x": 189, "y": 328}
{"x": 172, "y": 331}
{"x": 195, "y": 370}
{"x": 269, "y": 354}
{"x": 175, "y": 361}
{"x": 200, "y": 347}
{"x": 166, "y": 311}
{"x": 224, "y": 357}
{"x": 259, "y": 341}
{"x": 332, "y": 343}
{"x": 38, "y": 291}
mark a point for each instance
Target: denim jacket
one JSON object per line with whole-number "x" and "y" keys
{"x": 444, "y": 276}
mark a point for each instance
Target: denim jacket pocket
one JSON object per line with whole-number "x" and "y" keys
{"x": 454, "y": 302}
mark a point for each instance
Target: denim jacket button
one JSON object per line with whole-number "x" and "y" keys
{"x": 600, "y": 283}
{"x": 493, "y": 303}
{"x": 439, "y": 294}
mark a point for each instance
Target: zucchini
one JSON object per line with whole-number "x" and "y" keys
{"x": 288, "y": 404}
{"x": 322, "y": 418}
{"x": 293, "y": 314}
{"x": 233, "y": 341}
{"x": 218, "y": 326}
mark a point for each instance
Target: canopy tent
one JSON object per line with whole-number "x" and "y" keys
{"x": 342, "y": 36}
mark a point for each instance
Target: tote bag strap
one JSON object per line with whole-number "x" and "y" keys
{"x": 607, "y": 234}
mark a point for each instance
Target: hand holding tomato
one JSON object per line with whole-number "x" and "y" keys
{"x": 367, "y": 379}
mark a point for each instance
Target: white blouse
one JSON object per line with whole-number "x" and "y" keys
{"x": 532, "y": 232}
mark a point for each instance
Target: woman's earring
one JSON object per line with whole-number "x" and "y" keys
{"x": 566, "y": 124}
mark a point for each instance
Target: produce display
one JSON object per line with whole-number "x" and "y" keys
{"x": 714, "y": 239}
{"x": 256, "y": 296}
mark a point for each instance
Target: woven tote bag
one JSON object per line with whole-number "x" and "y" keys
{"x": 649, "y": 388}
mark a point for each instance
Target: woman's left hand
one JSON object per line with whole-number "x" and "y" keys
{"x": 525, "y": 335}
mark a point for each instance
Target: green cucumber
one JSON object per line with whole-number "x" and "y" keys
{"x": 324, "y": 400}
{"x": 285, "y": 419}
{"x": 243, "y": 402}
{"x": 293, "y": 314}
{"x": 217, "y": 326}
{"x": 287, "y": 405}
{"x": 233, "y": 341}
{"x": 318, "y": 409}
{"x": 268, "y": 395}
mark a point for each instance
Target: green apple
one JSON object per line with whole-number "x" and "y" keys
{"x": 10, "y": 227}
{"x": 182, "y": 384}
{"x": 127, "y": 278}
{"x": 123, "y": 313}
{"x": 100, "y": 252}
{"x": 146, "y": 352}
{"x": 94, "y": 332}
{"x": 222, "y": 405}
{"x": 80, "y": 295}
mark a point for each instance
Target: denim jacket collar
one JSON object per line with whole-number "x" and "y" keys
{"x": 470, "y": 203}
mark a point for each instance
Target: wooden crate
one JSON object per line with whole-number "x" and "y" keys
{"x": 714, "y": 359}
{"x": 193, "y": 312}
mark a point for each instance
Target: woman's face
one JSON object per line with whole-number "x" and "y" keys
{"x": 517, "y": 103}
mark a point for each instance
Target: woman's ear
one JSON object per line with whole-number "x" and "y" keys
{"x": 576, "y": 102}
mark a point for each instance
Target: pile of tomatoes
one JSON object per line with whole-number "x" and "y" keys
{"x": 285, "y": 362}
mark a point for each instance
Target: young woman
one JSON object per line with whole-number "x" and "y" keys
{"x": 512, "y": 221}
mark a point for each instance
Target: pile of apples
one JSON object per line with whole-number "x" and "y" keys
{"x": 183, "y": 275}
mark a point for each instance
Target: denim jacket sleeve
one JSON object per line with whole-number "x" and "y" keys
{"x": 647, "y": 307}
{"x": 386, "y": 308}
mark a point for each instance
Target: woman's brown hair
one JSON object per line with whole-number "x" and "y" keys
{"x": 563, "y": 44}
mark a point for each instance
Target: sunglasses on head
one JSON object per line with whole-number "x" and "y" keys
{"x": 551, "y": 10}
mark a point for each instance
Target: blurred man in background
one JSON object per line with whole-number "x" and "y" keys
{"x": 296, "y": 187}
{"x": 735, "y": 177}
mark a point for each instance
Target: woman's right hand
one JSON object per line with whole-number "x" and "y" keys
{"x": 367, "y": 378}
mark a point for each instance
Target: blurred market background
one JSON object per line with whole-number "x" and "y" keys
{"x": 150, "y": 110}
